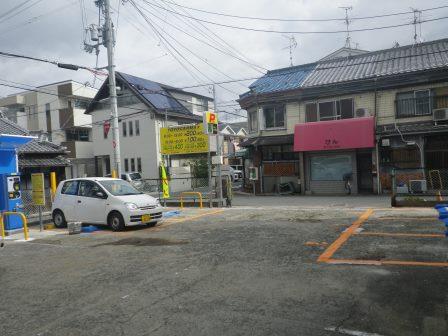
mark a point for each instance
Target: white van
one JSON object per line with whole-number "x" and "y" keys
{"x": 102, "y": 200}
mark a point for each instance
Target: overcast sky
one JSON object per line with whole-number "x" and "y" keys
{"x": 54, "y": 30}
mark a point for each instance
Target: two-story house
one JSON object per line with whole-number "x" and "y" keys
{"x": 358, "y": 115}
{"x": 56, "y": 112}
{"x": 144, "y": 107}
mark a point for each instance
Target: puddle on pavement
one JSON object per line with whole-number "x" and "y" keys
{"x": 146, "y": 242}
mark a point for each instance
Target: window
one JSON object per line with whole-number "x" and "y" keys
{"x": 330, "y": 168}
{"x": 253, "y": 121}
{"x": 126, "y": 165}
{"x": 131, "y": 129}
{"x": 123, "y": 126}
{"x": 413, "y": 104}
{"x": 77, "y": 134}
{"x": 279, "y": 153}
{"x": 80, "y": 104}
{"x": 48, "y": 117}
{"x": 311, "y": 112}
{"x": 70, "y": 188}
{"x": 274, "y": 116}
{"x": 345, "y": 108}
{"x": 137, "y": 127}
{"x": 327, "y": 111}
{"x": 132, "y": 164}
{"x": 139, "y": 165}
{"x": 88, "y": 189}
{"x": 330, "y": 110}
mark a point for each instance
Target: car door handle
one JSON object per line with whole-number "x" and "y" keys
{"x": 79, "y": 201}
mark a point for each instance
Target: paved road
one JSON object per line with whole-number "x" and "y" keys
{"x": 238, "y": 272}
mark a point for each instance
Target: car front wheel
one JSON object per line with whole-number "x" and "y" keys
{"x": 59, "y": 219}
{"x": 116, "y": 221}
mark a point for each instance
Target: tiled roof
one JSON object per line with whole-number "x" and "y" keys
{"x": 44, "y": 162}
{"x": 9, "y": 127}
{"x": 36, "y": 146}
{"x": 411, "y": 58}
{"x": 282, "y": 79}
{"x": 154, "y": 93}
{"x": 376, "y": 64}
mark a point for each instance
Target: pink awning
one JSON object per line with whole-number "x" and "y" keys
{"x": 335, "y": 134}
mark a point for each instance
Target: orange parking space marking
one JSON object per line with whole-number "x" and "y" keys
{"x": 386, "y": 262}
{"x": 396, "y": 234}
{"x": 328, "y": 253}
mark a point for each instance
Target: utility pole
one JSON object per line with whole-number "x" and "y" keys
{"x": 106, "y": 33}
{"x": 218, "y": 149}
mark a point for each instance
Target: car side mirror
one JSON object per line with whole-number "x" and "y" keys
{"x": 100, "y": 194}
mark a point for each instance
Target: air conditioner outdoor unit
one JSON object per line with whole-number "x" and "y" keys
{"x": 417, "y": 186}
{"x": 362, "y": 112}
{"x": 440, "y": 114}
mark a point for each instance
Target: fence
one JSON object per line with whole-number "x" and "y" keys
{"x": 420, "y": 184}
{"x": 176, "y": 185}
{"x": 29, "y": 208}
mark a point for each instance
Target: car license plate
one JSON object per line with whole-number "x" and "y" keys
{"x": 146, "y": 218}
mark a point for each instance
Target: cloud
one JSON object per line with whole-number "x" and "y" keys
{"x": 57, "y": 34}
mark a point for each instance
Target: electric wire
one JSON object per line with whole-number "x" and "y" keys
{"x": 194, "y": 54}
{"x": 294, "y": 31}
{"x": 215, "y": 38}
{"x": 20, "y": 11}
{"x": 298, "y": 20}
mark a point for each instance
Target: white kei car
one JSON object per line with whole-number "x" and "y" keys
{"x": 102, "y": 200}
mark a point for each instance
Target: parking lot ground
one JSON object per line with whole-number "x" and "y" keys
{"x": 240, "y": 271}
{"x": 418, "y": 241}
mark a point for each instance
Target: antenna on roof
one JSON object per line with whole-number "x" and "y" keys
{"x": 292, "y": 45}
{"x": 347, "y": 22}
{"x": 417, "y": 20}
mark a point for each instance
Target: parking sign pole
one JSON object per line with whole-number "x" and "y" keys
{"x": 218, "y": 149}
{"x": 209, "y": 163}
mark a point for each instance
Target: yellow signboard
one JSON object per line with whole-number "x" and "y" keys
{"x": 211, "y": 118}
{"x": 37, "y": 182}
{"x": 187, "y": 139}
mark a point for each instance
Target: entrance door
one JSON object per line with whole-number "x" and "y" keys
{"x": 365, "y": 178}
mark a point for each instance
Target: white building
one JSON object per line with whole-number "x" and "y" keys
{"x": 144, "y": 107}
{"x": 56, "y": 112}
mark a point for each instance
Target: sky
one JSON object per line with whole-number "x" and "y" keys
{"x": 173, "y": 55}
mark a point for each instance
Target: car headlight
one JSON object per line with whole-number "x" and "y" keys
{"x": 131, "y": 206}
{"x": 158, "y": 202}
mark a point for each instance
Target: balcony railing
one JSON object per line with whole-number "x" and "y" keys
{"x": 421, "y": 106}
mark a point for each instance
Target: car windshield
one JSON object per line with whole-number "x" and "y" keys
{"x": 119, "y": 187}
{"x": 135, "y": 176}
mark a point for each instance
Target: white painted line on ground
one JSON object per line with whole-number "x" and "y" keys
{"x": 351, "y": 332}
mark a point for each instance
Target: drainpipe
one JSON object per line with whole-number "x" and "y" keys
{"x": 377, "y": 147}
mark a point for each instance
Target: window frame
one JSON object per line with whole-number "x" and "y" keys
{"x": 131, "y": 128}
{"x": 126, "y": 165}
{"x": 336, "y": 109}
{"x": 132, "y": 165}
{"x": 275, "y": 108}
{"x": 139, "y": 164}
{"x": 253, "y": 118}
{"x": 137, "y": 127}
{"x": 399, "y": 114}
{"x": 124, "y": 129}
{"x": 70, "y": 182}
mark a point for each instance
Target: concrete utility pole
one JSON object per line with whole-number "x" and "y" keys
{"x": 218, "y": 149}
{"x": 109, "y": 42}
{"x": 105, "y": 35}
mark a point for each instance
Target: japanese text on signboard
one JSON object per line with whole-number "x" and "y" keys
{"x": 188, "y": 139}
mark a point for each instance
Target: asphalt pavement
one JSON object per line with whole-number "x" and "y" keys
{"x": 248, "y": 270}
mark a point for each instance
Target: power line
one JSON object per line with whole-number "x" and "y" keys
{"x": 211, "y": 45}
{"x": 212, "y": 36}
{"x": 58, "y": 64}
{"x": 294, "y": 32}
{"x": 296, "y": 20}
{"x": 20, "y": 11}
{"x": 38, "y": 17}
{"x": 194, "y": 54}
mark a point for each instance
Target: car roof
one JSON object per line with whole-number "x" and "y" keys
{"x": 93, "y": 179}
